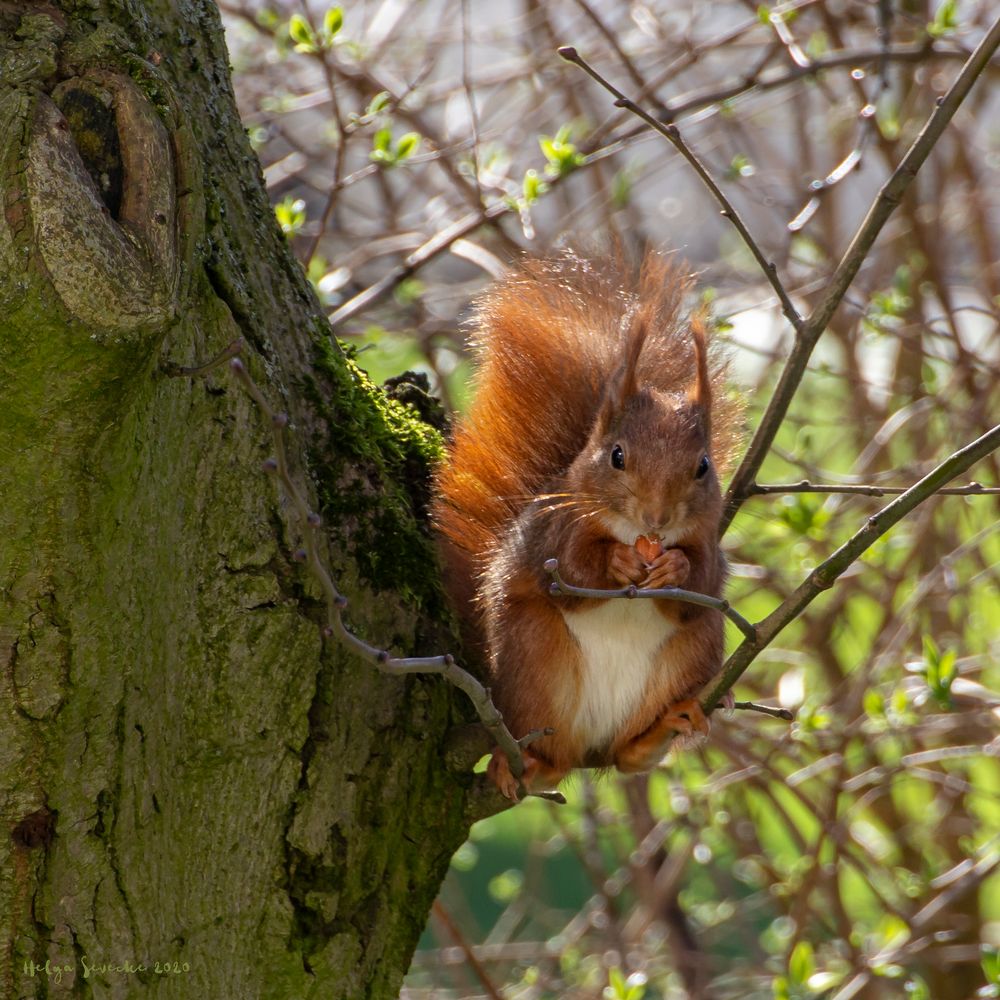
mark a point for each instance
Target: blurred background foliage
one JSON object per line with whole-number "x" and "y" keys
{"x": 412, "y": 149}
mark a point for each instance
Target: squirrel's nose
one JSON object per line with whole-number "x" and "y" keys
{"x": 652, "y": 521}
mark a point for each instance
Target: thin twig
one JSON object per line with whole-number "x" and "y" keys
{"x": 612, "y": 40}
{"x": 760, "y": 489}
{"x": 470, "y": 100}
{"x": 866, "y": 129}
{"x": 439, "y": 242}
{"x": 443, "y": 239}
{"x": 672, "y": 133}
{"x": 775, "y": 713}
{"x": 695, "y": 101}
{"x": 970, "y": 881}
{"x": 888, "y": 198}
{"x": 824, "y": 575}
{"x": 462, "y": 942}
{"x": 560, "y": 586}
{"x": 229, "y": 351}
{"x": 338, "y": 163}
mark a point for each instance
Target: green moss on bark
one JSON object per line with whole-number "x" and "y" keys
{"x": 387, "y": 512}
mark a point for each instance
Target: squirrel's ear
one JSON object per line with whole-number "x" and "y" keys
{"x": 700, "y": 391}
{"x": 623, "y": 383}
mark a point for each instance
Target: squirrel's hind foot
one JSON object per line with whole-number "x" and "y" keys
{"x": 682, "y": 722}
{"x": 537, "y": 776}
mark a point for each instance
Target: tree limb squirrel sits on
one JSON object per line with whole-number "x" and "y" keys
{"x": 593, "y": 438}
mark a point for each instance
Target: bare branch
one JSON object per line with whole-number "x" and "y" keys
{"x": 673, "y": 134}
{"x": 439, "y": 242}
{"x": 849, "y": 59}
{"x": 775, "y": 713}
{"x": 462, "y": 942}
{"x": 888, "y": 198}
{"x": 759, "y": 489}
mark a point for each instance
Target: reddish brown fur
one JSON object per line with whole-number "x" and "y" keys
{"x": 574, "y": 354}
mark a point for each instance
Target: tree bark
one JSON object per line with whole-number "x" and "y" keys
{"x": 202, "y": 798}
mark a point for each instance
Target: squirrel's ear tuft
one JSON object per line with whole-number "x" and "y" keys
{"x": 700, "y": 391}
{"x": 624, "y": 383}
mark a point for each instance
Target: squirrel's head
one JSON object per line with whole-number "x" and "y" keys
{"x": 647, "y": 465}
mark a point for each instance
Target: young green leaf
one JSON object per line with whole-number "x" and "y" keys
{"x": 990, "y": 960}
{"x": 801, "y": 963}
{"x": 616, "y": 981}
{"x": 874, "y": 704}
{"x": 381, "y": 148}
{"x": 333, "y": 21}
{"x": 301, "y": 32}
{"x": 621, "y": 188}
{"x": 377, "y": 103}
{"x": 533, "y": 186}
{"x": 291, "y": 215}
{"x": 561, "y": 154}
{"x": 740, "y": 166}
{"x": 940, "y": 671}
{"x": 407, "y": 145}
{"x": 945, "y": 20}
{"x": 917, "y": 989}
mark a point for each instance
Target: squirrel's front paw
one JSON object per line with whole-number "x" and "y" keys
{"x": 669, "y": 569}
{"x": 626, "y": 565}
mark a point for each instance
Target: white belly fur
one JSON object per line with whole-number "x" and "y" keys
{"x": 619, "y": 640}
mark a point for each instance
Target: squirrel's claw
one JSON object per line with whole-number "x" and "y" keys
{"x": 537, "y": 776}
{"x": 499, "y": 772}
{"x": 687, "y": 718}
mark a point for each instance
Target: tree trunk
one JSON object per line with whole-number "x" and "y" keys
{"x": 202, "y": 798}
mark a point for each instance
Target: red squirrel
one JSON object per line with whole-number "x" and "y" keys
{"x": 594, "y": 437}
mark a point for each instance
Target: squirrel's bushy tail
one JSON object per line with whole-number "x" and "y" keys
{"x": 548, "y": 338}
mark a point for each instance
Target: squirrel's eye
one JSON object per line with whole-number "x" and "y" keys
{"x": 617, "y": 457}
{"x": 703, "y": 467}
